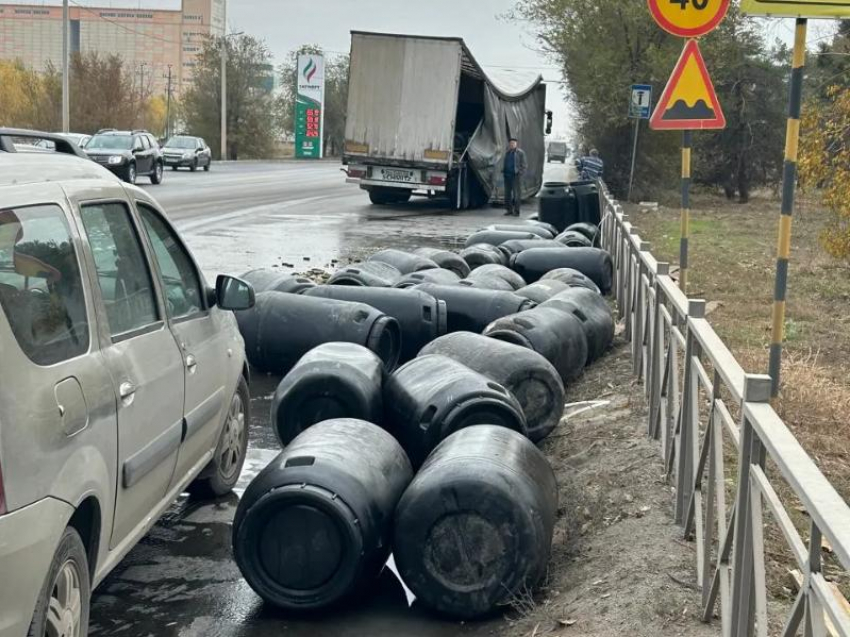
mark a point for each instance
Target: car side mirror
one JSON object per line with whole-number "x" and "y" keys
{"x": 233, "y": 294}
{"x": 548, "y": 122}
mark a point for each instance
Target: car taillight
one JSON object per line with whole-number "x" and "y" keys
{"x": 437, "y": 180}
{"x": 2, "y": 494}
{"x": 357, "y": 173}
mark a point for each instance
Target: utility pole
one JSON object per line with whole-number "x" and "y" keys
{"x": 224, "y": 83}
{"x": 168, "y": 106}
{"x": 66, "y": 84}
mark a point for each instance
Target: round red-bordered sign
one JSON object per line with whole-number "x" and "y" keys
{"x": 689, "y": 18}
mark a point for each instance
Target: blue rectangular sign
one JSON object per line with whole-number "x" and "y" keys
{"x": 640, "y": 104}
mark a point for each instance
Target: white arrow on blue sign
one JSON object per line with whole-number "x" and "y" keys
{"x": 640, "y": 105}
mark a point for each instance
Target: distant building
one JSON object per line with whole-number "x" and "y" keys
{"x": 148, "y": 40}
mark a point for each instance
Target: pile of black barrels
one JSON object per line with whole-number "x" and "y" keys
{"x": 415, "y": 388}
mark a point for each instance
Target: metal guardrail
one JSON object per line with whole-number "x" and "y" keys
{"x": 694, "y": 385}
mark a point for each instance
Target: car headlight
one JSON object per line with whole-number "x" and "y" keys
{"x": 116, "y": 159}
{"x": 187, "y": 155}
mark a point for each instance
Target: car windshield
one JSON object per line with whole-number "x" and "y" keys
{"x": 557, "y": 147}
{"x": 110, "y": 142}
{"x": 181, "y": 142}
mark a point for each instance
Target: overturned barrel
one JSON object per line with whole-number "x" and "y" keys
{"x": 573, "y": 239}
{"x": 515, "y": 246}
{"x": 501, "y": 272}
{"x": 533, "y": 381}
{"x": 269, "y": 280}
{"x": 440, "y": 276}
{"x": 404, "y": 262}
{"x": 542, "y": 290}
{"x": 556, "y": 335}
{"x": 474, "y": 528}
{"x": 487, "y": 283}
{"x": 334, "y": 380}
{"x": 368, "y": 274}
{"x": 431, "y": 397}
{"x": 540, "y": 231}
{"x": 470, "y": 309}
{"x": 496, "y": 237}
{"x": 445, "y": 259}
{"x": 589, "y": 230}
{"x": 482, "y": 254}
{"x": 421, "y": 317}
{"x": 595, "y": 315}
{"x": 594, "y": 263}
{"x": 534, "y": 220}
{"x": 314, "y": 527}
{"x": 281, "y": 328}
{"x": 572, "y": 278}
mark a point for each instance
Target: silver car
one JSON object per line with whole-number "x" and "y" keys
{"x": 123, "y": 382}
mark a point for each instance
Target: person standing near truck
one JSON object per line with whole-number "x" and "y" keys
{"x": 515, "y": 165}
{"x": 591, "y": 166}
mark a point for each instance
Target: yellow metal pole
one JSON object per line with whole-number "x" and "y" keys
{"x": 686, "y": 211}
{"x": 789, "y": 184}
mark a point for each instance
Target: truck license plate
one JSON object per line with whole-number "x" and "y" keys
{"x": 394, "y": 174}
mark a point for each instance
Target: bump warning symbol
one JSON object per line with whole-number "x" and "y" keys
{"x": 689, "y": 101}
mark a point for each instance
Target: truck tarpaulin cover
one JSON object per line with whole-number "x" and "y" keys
{"x": 510, "y": 115}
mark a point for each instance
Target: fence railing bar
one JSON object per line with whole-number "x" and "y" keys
{"x": 698, "y": 473}
{"x": 674, "y": 294}
{"x": 823, "y": 503}
{"x": 728, "y": 422}
{"x": 759, "y": 573}
{"x": 702, "y": 376}
{"x": 721, "y": 358}
{"x": 836, "y": 615}
{"x": 665, "y": 314}
{"x": 795, "y": 617}
{"x": 780, "y": 515}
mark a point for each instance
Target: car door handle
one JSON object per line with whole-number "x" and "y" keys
{"x": 126, "y": 390}
{"x": 191, "y": 363}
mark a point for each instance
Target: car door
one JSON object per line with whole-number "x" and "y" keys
{"x": 207, "y": 353}
{"x": 145, "y": 364}
{"x": 140, "y": 155}
{"x": 203, "y": 153}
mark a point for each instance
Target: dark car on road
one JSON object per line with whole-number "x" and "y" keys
{"x": 187, "y": 151}
{"x": 129, "y": 154}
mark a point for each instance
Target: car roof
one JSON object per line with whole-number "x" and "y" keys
{"x": 33, "y": 168}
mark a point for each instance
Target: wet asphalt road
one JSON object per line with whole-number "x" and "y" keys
{"x": 180, "y": 580}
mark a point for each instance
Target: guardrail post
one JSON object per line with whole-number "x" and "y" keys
{"x": 751, "y": 452}
{"x": 688, "y": 418}
{"x": 656, "y": 356}
{"x": 622, "y": 265}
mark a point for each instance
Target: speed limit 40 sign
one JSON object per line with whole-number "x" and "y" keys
{"x": 688, "y": 18}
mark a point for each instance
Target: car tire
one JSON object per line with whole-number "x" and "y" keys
{"x": 207, "y": 167}
{"x": 194, "y": 166}
{"x": 174, "y": 168}
{"x": 156, "y": 175}
{"x": 63, "y": 603}
{"x": 222, "y": 473}
{"x": 130, "y": 174}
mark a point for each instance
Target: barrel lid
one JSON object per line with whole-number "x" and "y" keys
{"x": 385, "y": 340}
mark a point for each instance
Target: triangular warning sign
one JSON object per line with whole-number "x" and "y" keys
{"x": 689, "y": 101}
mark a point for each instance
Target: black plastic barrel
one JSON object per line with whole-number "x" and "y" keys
{"x": 540, "y": 231}
{"x": 268, "y": 280}
{"x": 440, "y": 276}
{"x": 533, "y": 381}
{"x": 589, "y": 230}
{"x": 334, "y": 380}
{"x": 404, "y": 262}
{"x": 367, "y": 274}
{"x": 573, "y": 278}
{"x": 281, "y": 328}
{"x": 482, "y": 254}
{"x": 420, "y": 316}
{"x": 542, "y": 224}
{"x": 431, "y": 397}
{"x": 496, "y": 237}
{"x": 542, "y": 291}
{"x": 558, "y": 205}
{"x": 445, "y": 259}
{"x": 315, "y": 526}
{"x": 594, "y": 313}
{"x": 474, "y": 529}
{"x": 515, "y": 246}
{"x": 507, "y": 275}
{"x": 574, "y": 239}
{"x": 556, "y": 335}
{"x": 589, "y": 203}
{"x": 470, "y": 309}
{"x": 488, "y": 283}
{"x": 594, "y": 263}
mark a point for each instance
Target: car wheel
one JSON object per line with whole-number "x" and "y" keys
{"x": 156, "y": 175}
{"x": 194, "y": 166}
{"x": 207, "y": 167}
{"x": 63, "y": 605}
{"x": 174, "y": 168}
{"x": 130, "y": 175}
{"x": 223, "y": 471}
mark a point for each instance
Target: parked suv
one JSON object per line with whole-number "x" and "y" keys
{"x": 187, "y": 151}
{"x": 127, "y": 153}
{"x": 123, "y": 381}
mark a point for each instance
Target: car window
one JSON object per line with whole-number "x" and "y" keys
{"x": 202, "y": 144}
{"x": 137, "y": 144}
{"x": 41, "y": 288}
{"x": 122, "y": 269}
{"x": 152, "y": 141}
{"x": 146, "y": 143}
{"x": 180, "y": 278}
{"x": 110, "y": 142}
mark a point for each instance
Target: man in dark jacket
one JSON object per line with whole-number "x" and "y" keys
{"x": 516, "y": 163}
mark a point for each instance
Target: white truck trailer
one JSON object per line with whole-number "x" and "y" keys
{"x": 424, "y": 118}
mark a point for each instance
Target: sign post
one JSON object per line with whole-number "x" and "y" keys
{"x": 310, "y": 106}
{"x": 640, "y": 107}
